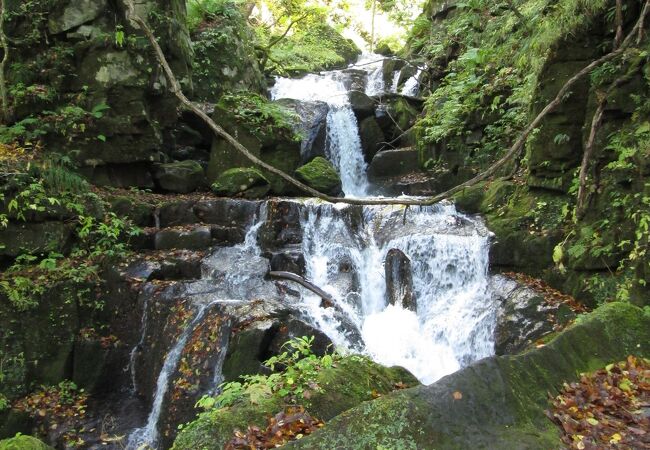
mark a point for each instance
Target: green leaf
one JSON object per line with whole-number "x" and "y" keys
{"x": 558, "y": 254}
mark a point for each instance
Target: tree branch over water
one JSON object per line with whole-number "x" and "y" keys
{"x": 513, "y": 151}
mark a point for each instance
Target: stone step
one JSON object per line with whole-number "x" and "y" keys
{"x": 391, "y": 163}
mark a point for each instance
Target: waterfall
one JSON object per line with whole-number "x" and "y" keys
{"x": 455, "y": 317}
{"x": 411, "y": 86}
{"x": 344, "y": 144}
{"x": 148, "y": 435}
{"x": 395, "y": 85}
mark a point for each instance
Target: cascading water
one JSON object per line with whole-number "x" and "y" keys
{"x": 344, "y": 144}
{"x": 412, "y": 85}
{"x": 147, "y": 436}
{"x": 455, "y": 316}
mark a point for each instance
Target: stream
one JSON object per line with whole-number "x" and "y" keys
{"x": 446, "y": 317}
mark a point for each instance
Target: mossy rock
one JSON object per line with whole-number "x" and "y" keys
{"x": 23, "y": 443}
{"x": 350, "y": 382}
{"x": 242, "y": 181}
{"x": 321, "y": 175}
{"x": 498, "y": 402}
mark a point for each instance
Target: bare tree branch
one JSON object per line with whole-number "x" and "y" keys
{"x": 619, "y": 24}
{"x": 514, "y": 150}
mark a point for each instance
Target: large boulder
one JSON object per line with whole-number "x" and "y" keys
{"x": 399, "y": 280}
{"x": 180, "y": 177}
{"x": 390, "y": 163}
{"x": 241, "y": 181}
{"x": 321, "y": 175}
{"x": 500, "y": 399}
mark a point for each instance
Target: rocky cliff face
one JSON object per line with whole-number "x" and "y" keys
{"x": 81, "y": 75}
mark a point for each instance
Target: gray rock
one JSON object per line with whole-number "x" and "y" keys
{"x": 523, "y": 316}
{"x": 180, "y": 177}
{"x": 372, "y": 137}
{"x": 35, "y": 238}
{"x": 389, "y": 163}
{"x": 194, "y": 239}
{"x": 399, "y": 280}
{"x": 76, "y": 13}
{"x": 312, "y": 127}
{"x": 362, "y": 105}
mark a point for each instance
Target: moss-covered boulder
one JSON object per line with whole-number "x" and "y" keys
{"x": 498, "y": 402}
{"x": 241, "y": 181}
{"x": 321, "y": 175}
{"x": 351, "y": 381}
{"x": 23, "y": 443}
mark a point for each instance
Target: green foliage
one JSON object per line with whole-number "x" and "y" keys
{"x": 51, "y": 187}
{"x": 263, "y": 117}
{"x": 200, "y": 12}
{"x": 293, "y": 377}
{"x": 312, "y": 48}
{"x": 491, "y": 61}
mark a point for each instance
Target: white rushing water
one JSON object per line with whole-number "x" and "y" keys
{"x": 455, "y": 317}
{"x": 343, "y": 141}
{"x": 411, "y": 86}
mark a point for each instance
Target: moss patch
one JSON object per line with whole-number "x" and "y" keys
{"x": 241, "y": 181}
{"x": 321, "y": 175}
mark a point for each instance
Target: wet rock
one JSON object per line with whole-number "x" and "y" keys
{"x": 399, "y": 280}
{"x": 289, "y": 261}
{"x": 389, "y": 163}
{"x": 179, "y": 177}
{"x": 355, "y": 80}
{"x": 226, "y": 212}
{"x": 389, "y": 67}
{"x": 194, "y": 239}
{"x": 313, "y": 127}
{"x": 282, "y": 226}
{"x": 523, "y": 316}
{"x": 372, "y": 137}
{"x": 362, "y": 105}
{"x": 245, "y": 182}
{"x": 321, "y": 175}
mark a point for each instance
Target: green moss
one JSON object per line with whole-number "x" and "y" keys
{"x": 23, "y": 443}
{"x": 321, "y": 175}
{"x": 248, "y": 182}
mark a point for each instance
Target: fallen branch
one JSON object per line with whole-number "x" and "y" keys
{"x": 514, "y": 150}
{"x": 327, "y": 300}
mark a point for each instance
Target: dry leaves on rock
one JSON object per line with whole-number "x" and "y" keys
{"x": 608, "y": 409}
{"x": 291, "y": 424}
